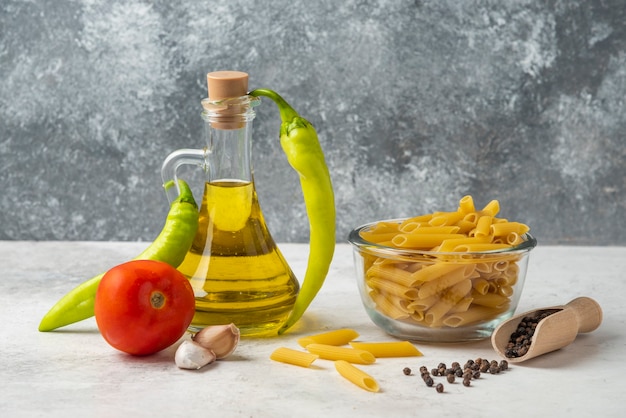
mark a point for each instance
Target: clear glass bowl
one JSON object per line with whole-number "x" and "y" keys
{"x": 431, "y": 296}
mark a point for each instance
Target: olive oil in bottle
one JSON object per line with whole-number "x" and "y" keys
{"x": 235, "y": 268}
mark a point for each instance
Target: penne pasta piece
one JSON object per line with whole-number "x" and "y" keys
{"x": 453, "y": 296}
{"x": 513, "y": 238}
{"x": 447, "y": 229}
{"x": 416, "y": 219}
{"x": 388, "y": 349}
{"x": 423, "y": 304}
{"x": 393, "y": 288}
{"x": 471, "y": 217}
{"x": 391, "y": 272}
{"x": 433, "y": 287}
{"x": 295, "y": 357}
{"x": 483, "y": 267}
{"x": 490, "y": 300}
{"x": 483, "y": 226}
{"x": 335, "y": 337}
{"x": 376, "y": 237}
{"x": 504, "y": 228}
{"x": 506, "y": 291}
{"x": 474, "y": 314}
{"x": 492, "y": 208}
{"x": 481, "y": 285}
{"x": 331, "y": 352}
{"x": 382, "y": 227}
{"x": 387, "y": 307}
{"x": 463, "y": 305}
{"x": 480, "y": 247}
{"x": 434, "y": 271}
{"x": 465, "y": 226}
{"x": 417, "y": 316}
{"x": 501, "y": 265}
{"x": 356, "y": 376}
{"x": 450, "y": 245}
{"x": 409, "y": 227}
{"x": 466, "y": 205}
{"x": 421, "y": 241}
{"x": 445, "y": 218}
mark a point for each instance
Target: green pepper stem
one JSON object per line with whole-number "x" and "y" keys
{"x": 287, "y": 113}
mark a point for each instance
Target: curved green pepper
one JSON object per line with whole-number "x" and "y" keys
{"x": 299, "y": 141}
{"x": 170, "y": 246}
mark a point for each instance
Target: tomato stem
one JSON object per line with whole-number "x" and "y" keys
{"x": 157, "y": 300}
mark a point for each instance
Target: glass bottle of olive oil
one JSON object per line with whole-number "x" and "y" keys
{"x": 234, "y": 266}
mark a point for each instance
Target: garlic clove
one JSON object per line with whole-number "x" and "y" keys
{"x": 221, "y": 339}
{"x": 191, "y": 355}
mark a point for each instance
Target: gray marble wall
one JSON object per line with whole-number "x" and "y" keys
{"x": 417, "y": 103}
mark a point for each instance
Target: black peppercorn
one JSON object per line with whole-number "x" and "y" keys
{"x": 439, "y": 388}
{"x": 406, "y": 371}
{"x": 450, "y": 378}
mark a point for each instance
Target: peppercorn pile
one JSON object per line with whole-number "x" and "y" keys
{"x": 520, "y": 340}
{"x": 471, "y": 370}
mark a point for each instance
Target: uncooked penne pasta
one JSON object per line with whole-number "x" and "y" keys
{"x": 433, "y": 287}
{"x": 480, "y": 285}
{"x": 421, "y": 241}
{"x": 445, "y": 218}
{"x": 499, "y": 229}
{"x": 377, "y": 237}
{"x": 513, "y": 238}
{"x": 483, "y": 226}
{"x": 391, "y": 287}
{"x": 391, "y": 272}
{"x": 447, "y": 301}
{"x": 356, "y": 376}
{"x": 387, "y": 349}
{"x": 331, "y": 352}
{"x": 295, "y": 357}
{"x": 479, "y": 247}
{"x": 449, "y": 245}
{"x": 447, "y": 229}
{"x": 421, "y": 305}
{"x": 475, "y": 313}
{"x": 492, "y": 208}
{"x": 467, "y": 247}
{"x": 416, "y": 219}
{"x": 491, "y": 300}
{"x": 388, "y": 307}
{"x": 434, "y": 271}
{"x": 463, "y": 305}
{"x": 466, "y": 205}
{"x": 335, "y": 337}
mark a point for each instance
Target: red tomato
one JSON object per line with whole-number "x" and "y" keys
{"x": 143, "y": 306}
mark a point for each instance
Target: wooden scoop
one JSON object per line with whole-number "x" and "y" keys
{"x": 553, "y": 332}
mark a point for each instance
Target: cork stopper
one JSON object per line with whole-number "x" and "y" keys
{"x": 227, "y": 84}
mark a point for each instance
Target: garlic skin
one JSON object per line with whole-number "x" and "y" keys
{"x": 221, "y": 339}
{"x": 191, "y": 355}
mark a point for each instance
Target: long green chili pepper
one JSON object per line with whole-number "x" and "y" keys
{"x": 298, "y": 139}
{"x": 170, "y": 246}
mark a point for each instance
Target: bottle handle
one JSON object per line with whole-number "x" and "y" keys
{"x": 173, "y": 161}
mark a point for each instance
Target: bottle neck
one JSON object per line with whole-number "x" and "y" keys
{"x": 228, "y": 129}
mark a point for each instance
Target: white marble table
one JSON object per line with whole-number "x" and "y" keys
{"x": 73, "y": 372}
